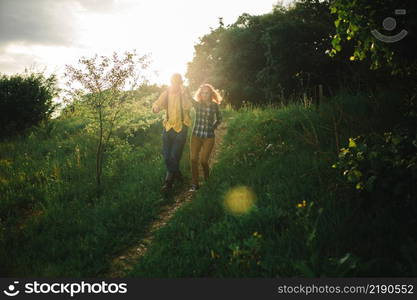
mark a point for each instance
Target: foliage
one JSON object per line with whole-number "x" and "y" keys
{"x": 105, "y": 85}
{"x": 382, "y": 165}
{"x": 276, "y": 56}
{"x": 382, "y": 168}
{"x": 25, "y": 100}
{"x": 49, "y": 226}
{"x": 305, "y": 221}
{"x": 355, "y": 21}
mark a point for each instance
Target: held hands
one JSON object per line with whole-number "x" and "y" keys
{"x": 187, "y": 94}
{"x": 155, "y": 109}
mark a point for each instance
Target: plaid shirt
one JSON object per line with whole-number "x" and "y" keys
{"x": 207, "y": 118}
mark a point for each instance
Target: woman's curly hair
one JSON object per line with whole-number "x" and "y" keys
{"x": 215, "y": 95}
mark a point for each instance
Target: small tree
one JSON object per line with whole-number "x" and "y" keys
{"x": 105, "y": 85}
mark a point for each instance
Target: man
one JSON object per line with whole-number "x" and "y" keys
{"x": 176, "y": 100}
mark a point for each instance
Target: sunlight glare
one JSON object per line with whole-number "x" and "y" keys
{"x": 240, "y": 200}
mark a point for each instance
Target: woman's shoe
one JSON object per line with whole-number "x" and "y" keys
{"x": 193, "y": 188}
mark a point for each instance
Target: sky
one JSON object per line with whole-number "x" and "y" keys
{"x": 48, "y": 34}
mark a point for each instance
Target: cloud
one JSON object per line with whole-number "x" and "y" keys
{"x": 34, "y": 22}
{"x": 98, "y": 6}
{"x": 45, "y": 22}
{"x": 11, "y": 63}
{"x": 53, "y": 33}
{"x": 48, "y": 32}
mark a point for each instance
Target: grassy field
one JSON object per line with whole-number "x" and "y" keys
{"x": 275, "y": 207}
{"x": 51, "y": 223}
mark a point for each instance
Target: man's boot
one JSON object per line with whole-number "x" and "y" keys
{"x": 168, "y": 182}
{"x": 178, "y": 176}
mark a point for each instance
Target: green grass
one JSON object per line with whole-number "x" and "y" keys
{"x": 284, "y": 156}
{"x": 50, "y": 222}
{"x": 303, "y": 221}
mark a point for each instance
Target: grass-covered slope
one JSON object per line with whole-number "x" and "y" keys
{"x": 274, "y": 206}
{"x": 51, "y": 223}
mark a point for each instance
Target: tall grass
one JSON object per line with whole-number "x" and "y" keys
{"x": 273, "y": 205}
{"x": 292, "y": 216}
{"x": 50, "y": 222}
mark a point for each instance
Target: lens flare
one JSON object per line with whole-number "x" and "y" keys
{"x": 239, "y": 200}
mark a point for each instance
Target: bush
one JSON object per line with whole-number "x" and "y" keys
{"x": 382, "y": 169}
{"x": 382, "y": 166}
{"x": 25, "y": 101}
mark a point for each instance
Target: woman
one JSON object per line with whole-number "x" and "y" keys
{"x": 206, "y": 104}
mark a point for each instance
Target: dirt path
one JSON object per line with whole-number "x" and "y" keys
{"x": 125, "y": 262}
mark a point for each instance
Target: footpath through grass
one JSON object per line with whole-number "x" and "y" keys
{"x": 51, "y": 224}
{"x": 274, "y": 206}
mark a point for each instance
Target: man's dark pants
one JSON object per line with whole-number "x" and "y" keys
{"x": 172, "y": 146}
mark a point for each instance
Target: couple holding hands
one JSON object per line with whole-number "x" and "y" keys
{"x": 177, "y": 101}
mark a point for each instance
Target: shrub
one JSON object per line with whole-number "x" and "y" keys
{"x": 25, "y": 101}
{"x": 381, "y": 171}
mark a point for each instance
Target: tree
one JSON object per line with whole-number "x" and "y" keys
{"x": 263, "y": 58}
{"x": 105, "y": 85}
{"x": 356, "y": 21}
{"x": 25, "y": 100}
